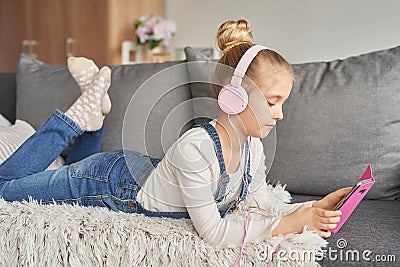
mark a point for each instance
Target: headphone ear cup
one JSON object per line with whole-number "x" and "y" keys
{"x": 233, "y": 100}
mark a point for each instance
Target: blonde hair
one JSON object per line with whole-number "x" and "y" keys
{"x": 234, "y": 38}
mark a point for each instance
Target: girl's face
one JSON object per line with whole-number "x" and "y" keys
{"x": 265, "y": 103}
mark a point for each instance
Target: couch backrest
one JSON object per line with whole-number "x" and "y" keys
{"x": 42, "y": 88}
{"x": 8, "y": 95}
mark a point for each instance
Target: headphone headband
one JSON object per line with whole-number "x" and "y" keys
{"x": 244, "y": 63}
{"x": 233, "y": 98}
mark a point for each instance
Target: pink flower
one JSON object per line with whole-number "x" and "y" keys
{"x": 141, "y": 33}
{"x": 149, "y": 26}
{"x": 154, "y": 28}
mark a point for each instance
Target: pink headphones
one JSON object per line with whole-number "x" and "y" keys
{"x": 233, "y": 98}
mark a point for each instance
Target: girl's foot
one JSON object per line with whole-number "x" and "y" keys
{"x": 83, "y": 71}
{"x": 86, "y": 111}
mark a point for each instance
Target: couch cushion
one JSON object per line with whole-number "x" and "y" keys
{"x": 340, "y": 117}
{"x": 4, "y": 121}
{"x": 7, "y": 95}
{"x": 41, "y": 88}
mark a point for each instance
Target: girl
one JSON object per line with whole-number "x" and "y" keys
{"x": 202, "y": 176}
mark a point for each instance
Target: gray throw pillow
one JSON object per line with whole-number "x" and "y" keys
{"x": 42, "y": 88}
{"x": 340, "y": 117}
{"x": 201, "y": 69}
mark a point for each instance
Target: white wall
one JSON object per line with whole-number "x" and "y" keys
{"x": 301, "y": 30}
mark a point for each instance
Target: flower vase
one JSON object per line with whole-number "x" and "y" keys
{"x": 151, "y": 52}
{"x": 145, "y": 54}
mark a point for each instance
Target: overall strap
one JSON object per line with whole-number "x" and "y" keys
{"x": 224, "y": 177}
{"x": 244, "y": 189}
{"x": 246, "y": 175}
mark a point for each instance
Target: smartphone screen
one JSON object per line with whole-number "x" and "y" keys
{"x": 350, "y": 193}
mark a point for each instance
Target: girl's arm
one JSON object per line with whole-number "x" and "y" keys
{"x": 193, "y": 173}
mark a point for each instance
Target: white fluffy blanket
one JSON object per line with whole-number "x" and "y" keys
{"x": 33, "y": 234}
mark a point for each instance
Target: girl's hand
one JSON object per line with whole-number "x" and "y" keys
{"x": 320, "y": 220}
{"x": 330, "y": 200}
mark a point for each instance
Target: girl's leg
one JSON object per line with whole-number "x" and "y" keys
{"x": 83, "y": 182}
{"x": 52, "y": 138}
{"x": 84, "y": 72}
{"x": 42, "y": 186}
{"x": 87, "y": 144}
{"x": 42, "y": 148}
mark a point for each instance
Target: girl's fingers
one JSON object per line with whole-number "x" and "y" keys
{"x": 324, "y": 234}
{"x": 345, "y": 188}
{"x": 328, "y": 220}
{"x": 342, "y": 192}
{"x": 327, "y": 226}
{"x": 328, "y": 213}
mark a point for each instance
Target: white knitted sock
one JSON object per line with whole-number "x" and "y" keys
{"x": 83, "y": 71}
{"x": 86, "y": 111}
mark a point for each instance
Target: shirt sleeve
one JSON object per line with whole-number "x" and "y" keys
{"x": 259, "y": 188}
{"x": 194, "y": 175}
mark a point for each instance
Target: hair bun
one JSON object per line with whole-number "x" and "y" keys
{"x": 233, "y": 31}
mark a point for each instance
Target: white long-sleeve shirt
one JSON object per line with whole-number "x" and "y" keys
{"x": 187, "y": 177}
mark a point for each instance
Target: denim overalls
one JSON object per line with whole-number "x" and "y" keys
{"x": 222, "y": 183}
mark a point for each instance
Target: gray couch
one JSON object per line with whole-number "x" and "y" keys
{"x": 340, "y": 117}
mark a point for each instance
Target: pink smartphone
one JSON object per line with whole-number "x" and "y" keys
{"x": 350, "y": 201}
